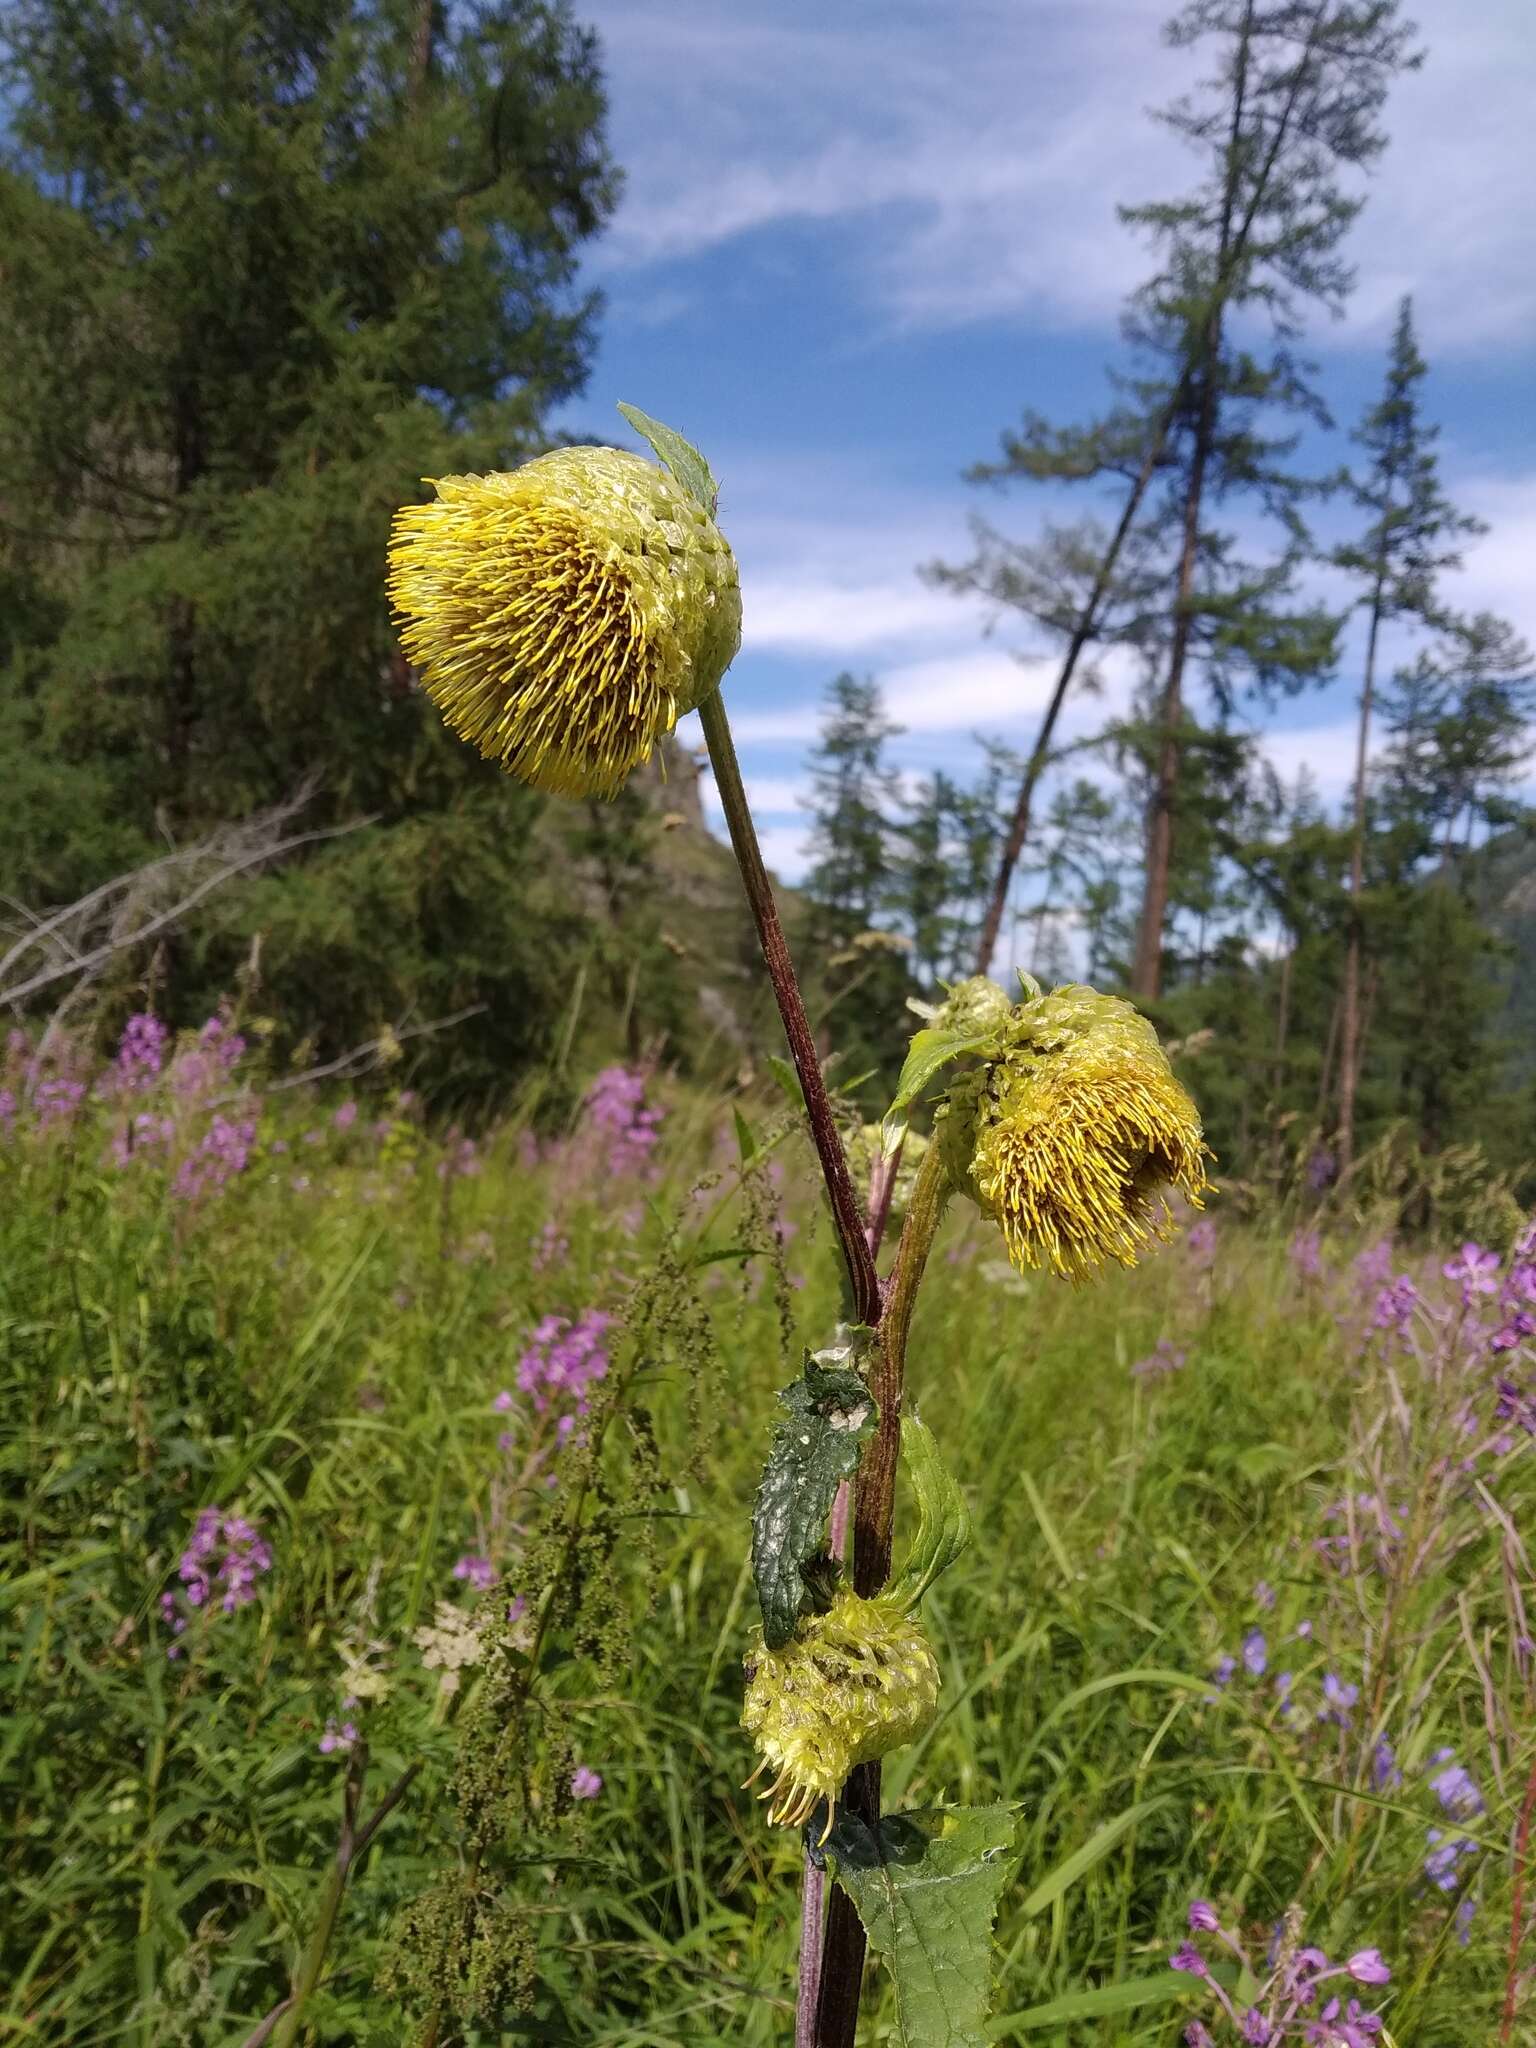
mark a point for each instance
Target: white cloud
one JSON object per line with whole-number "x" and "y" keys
{"x": 976, "y": 153}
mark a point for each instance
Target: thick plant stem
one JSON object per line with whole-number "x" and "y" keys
{"x": 842, "y": 1962}
{"x": 862, "y": 1280}
{"x": 813, "y": 1879}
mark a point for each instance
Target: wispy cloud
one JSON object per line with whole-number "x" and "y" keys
{"x": 978, "y": 153}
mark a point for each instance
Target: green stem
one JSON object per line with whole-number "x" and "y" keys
{"x": 862, "y": 1278}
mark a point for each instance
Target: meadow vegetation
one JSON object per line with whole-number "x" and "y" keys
{"x": 308, "y": 1400}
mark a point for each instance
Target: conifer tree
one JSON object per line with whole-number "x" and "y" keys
{"x": 852, "y": 808}
{"x": 1298, "y": 89}
{"x": 266, "y": 267}
{"x": 1411, "y": 536}
{"x": 1294, "y": 103}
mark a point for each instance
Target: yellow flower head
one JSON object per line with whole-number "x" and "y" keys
{"x": 1068, "y": 1137}
{"x": 562, "y": 616}
{"x": 850, "y": 1685}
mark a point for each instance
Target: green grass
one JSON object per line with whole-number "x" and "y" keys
{"x": 325, "y": 1360}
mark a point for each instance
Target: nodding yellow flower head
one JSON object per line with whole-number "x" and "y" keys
{"x": 562, "y": 616}
{"x": 850, "y": 1685}
{"x": 1068, "y": 1137}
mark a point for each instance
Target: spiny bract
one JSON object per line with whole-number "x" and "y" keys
{"x": 1069, "y": 1135}
{"x": 850, "y": 1685}
{"x": 563, "y": 616}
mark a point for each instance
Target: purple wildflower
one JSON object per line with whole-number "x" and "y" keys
{"x": 1305, "y": 1252}
{"x": 585, "y": 1783}
{"x": 1203, "y": 1918}
{"x": 1264, "y": 1595}
{"x": 1163, "y": 1359}
{"x": 225, "y": 1554}
{"x": 1198, "y": 2035}
{"x": 478, "y": 1571}
{"x": 1200, "y": 1241}
{"x": 1256, "y": 2028}
{"x": 1367, "y": 1967}
{"x": 1373, "y": 1267}
{"x": 223, "y": 1151}
{"x": 335, "y": 1738}
{"x": 1226, "y": 1669}
{"x": 345, "y": 1117}
{"x": 1322, "y": 1166}
{"x": 1188, "y": 1959}
{"x": 617, "y": 1108}
{"x": 1340, "y": 1695}
{"x": 1255, "y": 1653}
{"x": 141, "y": 1049}
{"x": 1477, "y": 1270}
{"x": 1455, "y": 1789}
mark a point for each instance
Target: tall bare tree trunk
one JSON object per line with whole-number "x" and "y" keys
{"x": 421, "y": 52}
{"x": 1349, "y": 1030}
{"x": 1082, "y": 633}
{"x": 1147, "y": 969}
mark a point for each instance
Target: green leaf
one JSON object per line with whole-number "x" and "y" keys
{"x": 1103, "y": 2000}
{"x": 928, "y": 1051}
{"x": 926, "y": 1886}
{"x": 831, "y": 1413}
{"x": 1081, "y": 1861}
{"x": 943, "y": 1519}
{"x": 788, "y": 1080}
{"x": 687, "y": 465}
{"x": 746, "y": 1144}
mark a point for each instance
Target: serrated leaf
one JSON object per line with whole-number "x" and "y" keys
{"x": 943, "y": 1519}
{"x": 928, "y": 1051}
{"x": 831, "y": 1413}
{"x": 926, "y": 1886}
{"x": 686, "y": 464}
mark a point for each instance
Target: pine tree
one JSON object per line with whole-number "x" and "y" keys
{"x": 852, "y": 806}
{"x": 1295, "y": 101}
{"x": 1412, "y": 535}
{"x": 267, "y": 266}
{"x": 1299, "y": 86}
{"x": 1460, "y": 724}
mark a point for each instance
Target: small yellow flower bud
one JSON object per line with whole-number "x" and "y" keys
{"x": 563, "y": 616}
{"x": 1067, "y": 1137}
{"x": 850, "y": 1685}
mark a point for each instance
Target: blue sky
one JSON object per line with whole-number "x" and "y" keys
{"x": 857, "y": 240}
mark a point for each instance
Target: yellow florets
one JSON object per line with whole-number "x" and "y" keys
{"x": 850, "y": 1685}
{"x": 564, "y": 615}
{"x": 1068, "y": 1138}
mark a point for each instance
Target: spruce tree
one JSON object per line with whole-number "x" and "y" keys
{"x": 1412, "y": 535}
{"x": 267, "y": 267}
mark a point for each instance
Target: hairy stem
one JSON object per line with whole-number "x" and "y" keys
{"x": 862, "y": 1280}
{"x": 842, "y": 1966}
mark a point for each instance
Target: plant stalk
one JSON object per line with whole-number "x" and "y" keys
{"x": 842, "y": 1960}
{"x": 862, "y": 1279}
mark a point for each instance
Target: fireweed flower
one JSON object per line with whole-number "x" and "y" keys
{"x": 1070, "y": 1132}
{"x": 849, "y": 1686}
{"x": 564, "y": 615}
